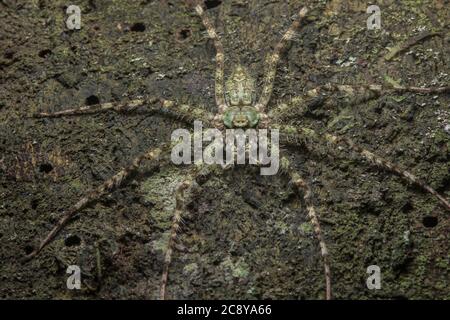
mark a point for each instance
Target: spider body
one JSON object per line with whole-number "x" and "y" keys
{"x": 240, "y": 88}
{"x": 240, "y": 98}
{"x": 237, "y": 107}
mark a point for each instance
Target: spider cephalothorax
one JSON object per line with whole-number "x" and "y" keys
{"x": 241, "y": 117}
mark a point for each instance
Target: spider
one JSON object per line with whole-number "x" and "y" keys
{"x": 238, "y": 107}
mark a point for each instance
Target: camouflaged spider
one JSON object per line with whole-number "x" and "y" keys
{"x": 238, "y": 108}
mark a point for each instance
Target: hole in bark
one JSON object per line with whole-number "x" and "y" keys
{"x": 34, "y": 204}
{"x": 72, "y": 241}
{"x": 138, "y": 27}
{"x": 45, "y": 167}
{"x": 183, "y": 34}
{"x": 28, "y": 249}
{"x": 91, "y": 100}
{"x": 44, "y": 53}
{"x": 407, "y": 207}
{"x": 430, "y": 222}
{"x": 209, "y": 4}
{"x": 9, "y": 54}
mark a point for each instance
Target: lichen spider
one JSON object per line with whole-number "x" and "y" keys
{"x": 237, "y": 108}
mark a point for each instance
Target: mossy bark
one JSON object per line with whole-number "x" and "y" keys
{"x": 246, "y": 236}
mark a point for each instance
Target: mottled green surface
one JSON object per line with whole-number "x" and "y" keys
{"x": 246, "y": 236}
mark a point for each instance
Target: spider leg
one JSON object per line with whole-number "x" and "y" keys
{"x": 361, "y": 94}
{"x": 274, "y": 58}
{"x": 105, "y": 188}
{"x": 301, "y": 184}
{"x": 294, "y": 136}
{"x": 220, "y": 58}
{"x": 353, "y": 95}
{"x": 176, "y": 222}
{"x": 164, "y": 107}
{"x": 182, "y": 199}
